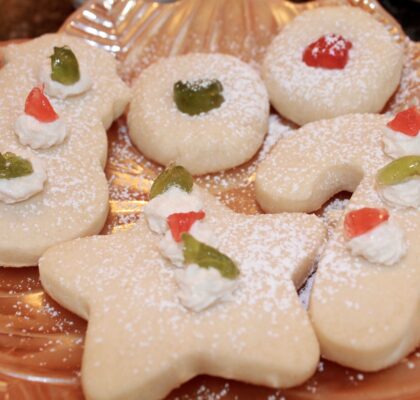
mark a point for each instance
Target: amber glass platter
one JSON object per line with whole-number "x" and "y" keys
{"x": 41, "y": 344}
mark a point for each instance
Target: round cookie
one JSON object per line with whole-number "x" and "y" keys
{"x": 304, "y": 93}
{"x": 219, "y": 139}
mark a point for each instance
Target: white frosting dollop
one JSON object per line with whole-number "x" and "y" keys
{"x": 57, "y": 89}
{"x": 174, "y": 200}
{"x": 384, "y": 244}
{"x": 40, "y": 135}
{"x": 19, "y": 189}
{"x": 173, "y": 251}
{"x": 397, "y": 145}
{"x": 202, "y": 287}
{"x": 405, "y": 194}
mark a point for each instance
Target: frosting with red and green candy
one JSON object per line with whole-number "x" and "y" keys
{"x": 399, "y": 181}
{"x": 369, "y": 231}
{"x": 74, "y": 203}
{"x": 175, "y": 211}
{"x": 40, "y": 127}
{"x": 398, "y": 184}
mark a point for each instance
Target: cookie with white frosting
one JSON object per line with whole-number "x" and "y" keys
{"x": 230, "y": 310}
{"x": 366, "y": 297}
{"x": 68, "y": 137}
{"x": 331, "y": 61}
{"x": 207, "y": 112}
{"x": 39, "y": 126}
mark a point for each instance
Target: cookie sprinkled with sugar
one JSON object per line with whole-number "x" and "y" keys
{"x": 304, "y": 94}
{"x": 221, "y": 138}
{"x": 127, "y": 290}
{"x": 75, "y": 199}
{"x": 354, "y": 302}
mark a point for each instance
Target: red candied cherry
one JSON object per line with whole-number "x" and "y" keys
{"x": 363, "y": 220}
{"x": 406, "y": 122}
{"x": 329, "y": 51}
{"x": 180, "y": 223}
{"x": 38, "y": 106}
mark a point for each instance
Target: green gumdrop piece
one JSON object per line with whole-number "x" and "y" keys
{"x": 199, "y": 96}
{"x": 174, "y": 175}
{"x": 399, "y": 170}
{"x": 205, "y": 256}
{"x": 64, "y": 66}
{"x": 13, "y": 166}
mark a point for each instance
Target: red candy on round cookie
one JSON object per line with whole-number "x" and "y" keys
{"x": 406, "y": 122}
{"x": 329, "y": 51}
{"x": 180, "y": 223}
{"x": 363, "y": 220}
{"x": 38, "y": 106}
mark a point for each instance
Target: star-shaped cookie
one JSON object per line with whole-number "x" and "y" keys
{"x": 74, "y": 200}
{"x": 366, "y": 315}
{"x": 141, "y": 342}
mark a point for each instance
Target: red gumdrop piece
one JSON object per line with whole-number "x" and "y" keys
{"x": 180, "y": 223}
{"x": 363, "y": 220}
{"x": 329, "y": 51}
{"x": 38, "y": 106}
{"x": 406, "y": 122}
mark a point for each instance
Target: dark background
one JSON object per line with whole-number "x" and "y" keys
{"x": 407, "y": 12}
{"x": 30, "y": 18}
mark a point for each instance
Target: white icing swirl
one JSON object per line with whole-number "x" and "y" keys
{"x": 397, "y": 145}
{"x": 384, "y": 244}
{"x": 174, "y": 200}
{"x": 40, "y": 135}
{"x": 19, "y": 189}
{"x": 57, "y": 89}
{"x": 174, "y": 251}
{"x": 405, "y": 194}
{"x": 202, "y": 287}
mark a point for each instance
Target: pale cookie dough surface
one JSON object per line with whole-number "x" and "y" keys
{"x": 304, "y": 94}
{"x": 141, "y": 342}
{"x": 219, "y": 139}
{"x": 74, "y": 201}
{"x": 366, "y": 316}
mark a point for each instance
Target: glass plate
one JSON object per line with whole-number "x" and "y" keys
{"x": 41, "y": 344}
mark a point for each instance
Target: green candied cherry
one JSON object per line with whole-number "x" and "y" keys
{"x": 198, "y": 96}
{"x": 13, "y": 166}
{"x": 174, "y": 175}
{"x": 205, "y": 256}
{"x": 399, "y": 170}
{"x": 64, "y": 66}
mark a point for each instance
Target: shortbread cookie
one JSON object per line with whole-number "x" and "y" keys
{"x": 67, "y": 136}
{"x": 331, "y": 61}
{"x": 208, "y": 112}
{"x": 365, "y": 303}
{"x": 146, "y": 338}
